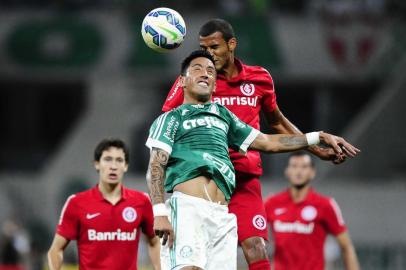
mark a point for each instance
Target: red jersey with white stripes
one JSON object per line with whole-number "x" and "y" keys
{"x": 251, "y": 91}
{"x": 107, "y": 235}
{"x": 299, "y": 230}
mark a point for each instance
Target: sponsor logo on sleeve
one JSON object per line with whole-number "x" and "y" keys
{"x": 171, "y": 129}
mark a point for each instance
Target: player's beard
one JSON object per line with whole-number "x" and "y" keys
{"x": 203, "y": 98}
{"x": 302, "y": 185}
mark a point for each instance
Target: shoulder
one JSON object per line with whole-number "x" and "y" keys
{"x": 79, "y": 197}
{"x": 276, "y": 198}
{"x": 257, "y": 72}
{"x": 140, "y": 196}
{"x": 222, "y": 108}
{"x": 173, "y": 114}
{"x": 323, "y": 201}
{"x": 76, "y": 201}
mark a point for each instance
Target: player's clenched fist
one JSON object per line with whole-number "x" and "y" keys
{"x": 163, "y": 229}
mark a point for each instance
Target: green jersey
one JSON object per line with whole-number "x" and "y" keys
{"x": 197, "y": 138}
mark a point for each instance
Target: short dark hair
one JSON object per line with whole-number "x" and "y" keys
{"x": 105, "y": 144}
{"x": 194, "y": 55}
{"x": 217, "y": 25}
{"x": 302, "y": 154}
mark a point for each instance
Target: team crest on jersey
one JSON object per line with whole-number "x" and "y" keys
{"x": 309, "y": 213}
{"x": 129, "y": 214}
{"x": 247, "y": 89}
{"x": 259, "y": 222}
{"x": 186, "y": 252}
{"x": 214, "y": 109}
{"x": 184, "y": 111}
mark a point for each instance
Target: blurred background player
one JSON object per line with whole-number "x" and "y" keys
{"x": 106, "y": 219}
{"x": 14, "y": 246}
{"x": 300, "y": 219}
{"x": 189, "y": 157}
{"x": 246, "y": 91}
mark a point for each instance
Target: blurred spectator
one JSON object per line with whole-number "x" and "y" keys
{"x": 14, "y": 248}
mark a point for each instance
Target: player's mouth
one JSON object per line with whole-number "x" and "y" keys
{"x": 113, "y": 176}
{"x": 203, "y": 83}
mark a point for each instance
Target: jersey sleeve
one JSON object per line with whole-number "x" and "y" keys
{"x": 147, "y": 225}
{"x": 334, "y": 220}
{"x": 162, "y": 132}
{"x": 68, "y": 224}
{"x": 174, "y": 98}
{"x": 268, "y": 209}
{"x": 269, "y": 98}
{"x": 240, "y": 135}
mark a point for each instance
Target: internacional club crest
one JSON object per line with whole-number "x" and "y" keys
{"x": 259, "y": 222}
{"x": 129, "y": 214}
{"x": 309, "y": 213}
{"x": 247, "y": 89}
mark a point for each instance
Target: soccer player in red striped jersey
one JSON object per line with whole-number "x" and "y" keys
{"x": 106, "y": 220}
{"x": 245, "y": 90}
{"x": 301, "y": 218}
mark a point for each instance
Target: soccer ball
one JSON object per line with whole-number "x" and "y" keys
{"x": 163, "y": 29}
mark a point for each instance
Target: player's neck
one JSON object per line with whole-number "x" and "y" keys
{"x": 299, "y": 194}
{"x": 230, "y": 71}
{"x": 110, "y": 192}
{"x": 190, "y": 100}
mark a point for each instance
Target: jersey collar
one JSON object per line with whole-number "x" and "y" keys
{"x": 99, "y": 196}
{"x": 241, "y": 72}
{"x": 308, "y": 197}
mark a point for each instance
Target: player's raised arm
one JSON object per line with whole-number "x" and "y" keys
{"x": 155, "y": 179}
{"x": 278, "y": 122}
{"x": 286, "y": 142}
{"x": 55, "y": 253}
{"x": 175, "y": 96}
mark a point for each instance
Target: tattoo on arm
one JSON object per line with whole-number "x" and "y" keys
{"x": 156, "y": 174}
{"x": 293, "y": 141}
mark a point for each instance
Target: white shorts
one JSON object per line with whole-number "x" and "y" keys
{"x": 205, "y": 235}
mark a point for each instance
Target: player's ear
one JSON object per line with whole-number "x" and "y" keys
{"x": 286, "y": 172}
{"x": 126, "y": 167}
{"x": 96, "y": 165}
{"x": 313, "y": 173}
{"x": 214, "y": 87}
{"x": 232, "y": 44}
{"x": 182, "y": 80}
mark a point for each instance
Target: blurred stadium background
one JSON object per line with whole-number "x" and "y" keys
{"x": 75, "y": 71}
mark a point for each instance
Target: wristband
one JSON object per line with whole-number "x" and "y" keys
{"x": 313, "y": 138}
{"x": 159, "y": 209}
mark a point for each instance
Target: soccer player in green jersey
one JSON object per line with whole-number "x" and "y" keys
{"x": 189, "y": 158}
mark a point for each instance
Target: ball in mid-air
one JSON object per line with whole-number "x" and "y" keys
{"x": 163, "y": 29}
